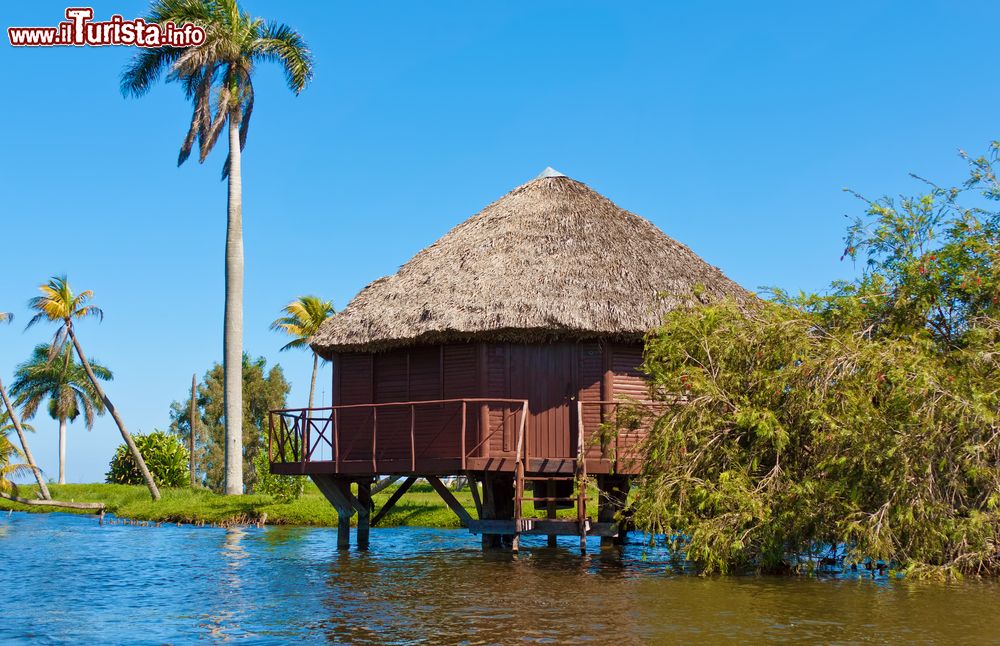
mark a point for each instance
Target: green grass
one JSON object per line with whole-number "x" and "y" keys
{"x": 419, "y": 507}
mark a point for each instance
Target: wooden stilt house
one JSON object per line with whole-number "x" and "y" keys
{"x": 499, "y": 353}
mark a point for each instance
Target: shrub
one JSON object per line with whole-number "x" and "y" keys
{"x": 282, "y": 488}
{"x": 165, "y": 455}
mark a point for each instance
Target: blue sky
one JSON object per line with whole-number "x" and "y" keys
{"x": 732, "y": 126}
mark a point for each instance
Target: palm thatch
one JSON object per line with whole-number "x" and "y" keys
{"x": 552, "y": 259}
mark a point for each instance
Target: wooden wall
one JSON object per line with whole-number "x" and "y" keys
{"x": 549, "y": 376}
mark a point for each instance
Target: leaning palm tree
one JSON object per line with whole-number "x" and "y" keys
{"x": 302, "y": 319}
{"x": 67, "y": 387}
{"x": 7, "y": 317}
{"x": 222, "y": 68}
{"x": 59, "y": 304}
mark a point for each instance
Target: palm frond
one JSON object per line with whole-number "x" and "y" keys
{"x": 6, "y": 317}
{"x": 202, "y": 116}
{"x": 304, "y": 316}
{"x": 63, "y": 382}
{"x": 181, "y": 11}
{"x": 281, "y": 44}
{"x": 146, "y": 66}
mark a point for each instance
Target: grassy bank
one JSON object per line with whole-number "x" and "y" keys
{"x": 421, "y": 506}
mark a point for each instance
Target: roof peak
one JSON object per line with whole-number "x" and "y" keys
{"x": 549, "y": 172}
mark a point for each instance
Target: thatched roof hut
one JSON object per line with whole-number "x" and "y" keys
{"x": 552, "y": 259}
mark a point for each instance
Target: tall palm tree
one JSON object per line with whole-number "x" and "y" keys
{"x": 67, "y": 387}
{"x": 7, "y": 317}
{"x": 222, "y": 67}
{"x": 302, "y": 319}
{"x": 60, "y": 305}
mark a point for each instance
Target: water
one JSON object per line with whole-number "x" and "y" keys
{"x": 65, "y": 578}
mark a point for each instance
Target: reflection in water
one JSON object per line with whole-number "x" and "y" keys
{"x": 225, "y": 620}
{"x": 182, "y": 584}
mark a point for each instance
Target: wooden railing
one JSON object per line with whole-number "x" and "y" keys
{"x": 333, "y": 433}
{"x": 620, "y": 428}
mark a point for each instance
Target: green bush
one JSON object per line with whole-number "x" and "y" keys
{"x": 282, "y": 488}
{"x": 166, "y": 458}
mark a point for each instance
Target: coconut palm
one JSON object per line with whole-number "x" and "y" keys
{"x": 59, "y": 304}
{"x": 302, "y": 319}
{"x": 222, "y": 68}
{"x": 67, "y": 387}
{"x": 7, "y": 317}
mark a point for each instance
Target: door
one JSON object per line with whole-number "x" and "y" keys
{"x": 545, "y": 376}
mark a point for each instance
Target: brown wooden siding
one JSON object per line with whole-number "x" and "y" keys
{"x": 550, "y": 376}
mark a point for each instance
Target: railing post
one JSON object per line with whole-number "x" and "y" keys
{"x": 303, "y": 439}
{"x": 270, "y": 436}
{"x": 413, "y": 438}
{"x": 336, "y": 443}
{"x": 464, "y": 415}
{"x": 374, "y": 435}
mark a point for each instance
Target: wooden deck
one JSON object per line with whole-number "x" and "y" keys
{"x": 344, "y": 448}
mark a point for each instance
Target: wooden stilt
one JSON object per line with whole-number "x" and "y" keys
{"x": 334, "y": 490}
{"x": 550, "y": 507}
{"x": 612, "y": 496}
{"x": 498, "y": 504}
{"x": 364, "y": 511}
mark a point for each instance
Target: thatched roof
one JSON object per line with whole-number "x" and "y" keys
{"x": 551, "y": 259}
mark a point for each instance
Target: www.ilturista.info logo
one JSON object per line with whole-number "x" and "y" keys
{"x": 79, "y": 31}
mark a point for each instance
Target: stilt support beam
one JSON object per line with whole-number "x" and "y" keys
{"x": 393, "y": 499}
{"x": 449, "y": 499}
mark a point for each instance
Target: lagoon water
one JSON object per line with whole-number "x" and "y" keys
{"x": 66, "y": 578}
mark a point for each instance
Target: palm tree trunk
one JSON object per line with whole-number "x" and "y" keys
{"x": 136, "y": 455}
{"x": 232, "y": 337}
{"x": 62, "y": 450}
{"x": 312, "y": 384}
{"x": 24, "y": 444}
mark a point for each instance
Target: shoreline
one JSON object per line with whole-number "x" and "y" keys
{"x": 420, "y": 507}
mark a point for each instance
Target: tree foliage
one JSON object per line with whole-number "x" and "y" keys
{"x": 264, "y": 389}
{"x": 166, "y": 458}
{"x": 864, "y": 419}
{"x": 62, "y": 381}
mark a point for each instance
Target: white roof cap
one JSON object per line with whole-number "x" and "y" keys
{"x": 549, "y": 172}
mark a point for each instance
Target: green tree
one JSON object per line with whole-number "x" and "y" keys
{"x": 7, "y": 317}
{"x": 303, "y": 318}
{"x": 221, "y": 68}
{"x": 59, "y": 304}
{"x": 66, "y": 386}
{"x": 865, "y": 418}
{"x": 264, "y": 389}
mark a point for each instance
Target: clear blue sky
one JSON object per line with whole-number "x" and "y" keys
{"x": 732, "y": 126}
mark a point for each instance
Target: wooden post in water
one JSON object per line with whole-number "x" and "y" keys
{"x": 611, "y": 499}
{"x": 364, "y": 511}
{"x": 550, "y": 506}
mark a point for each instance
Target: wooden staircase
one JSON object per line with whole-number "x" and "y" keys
{"x": 549, "y": 484}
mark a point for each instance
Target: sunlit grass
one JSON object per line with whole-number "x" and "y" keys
{"x": 420, "y": 506}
